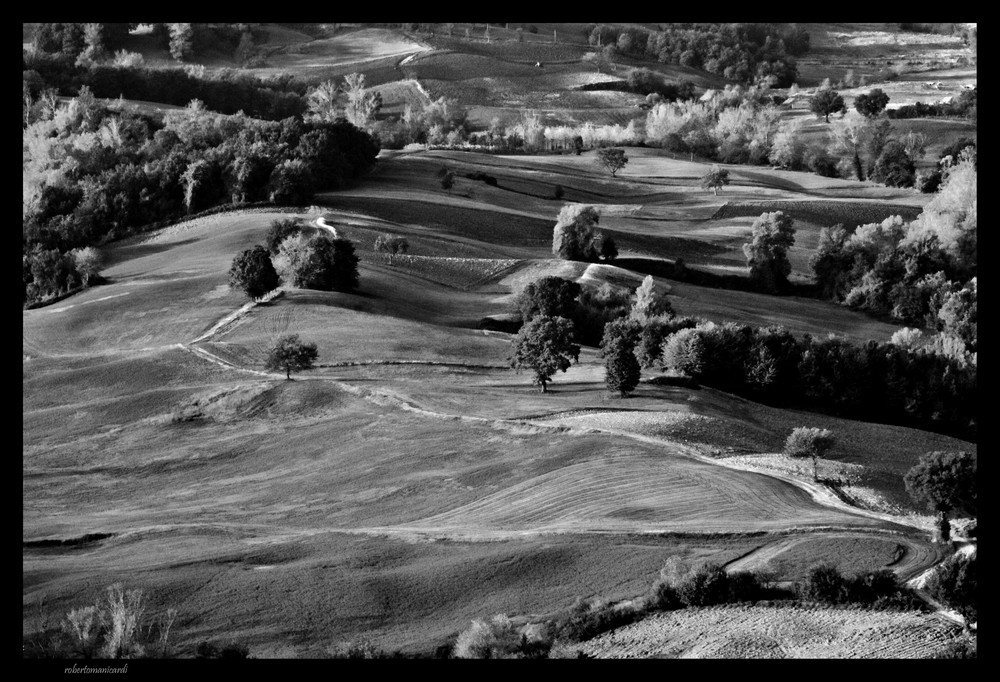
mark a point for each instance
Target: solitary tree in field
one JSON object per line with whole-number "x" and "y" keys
{"x": 291, "y": 355}
{"x": 447, "y": 181}
{"x": 715, "y": 178}
{"x": 613, "y": 159}
{"x": 621, "y": 367}
{"x": 945, "y": 482}
{"x": 772, "y": 235}
{"x": 253, "y": 272}
{"x": 805, "y": 441}
{"x": 544, "y": 345}
{"x": 391, "y": 244}
{"x": 872, "y": 104}
{"x": 826, "y": 102}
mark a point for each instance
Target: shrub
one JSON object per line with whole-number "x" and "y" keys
{"x": 494, "y": 638}
{"x": 664, "y": 596}
{"x": 279, "y": 231}
{"x": 708, "y": 584}
{"x": 872, "y": 586}
{"x": 684, "y": 352}
{"x": 824, "y": 583}
{"x": 253, "y": 272}
{"x": 588, "y": 619}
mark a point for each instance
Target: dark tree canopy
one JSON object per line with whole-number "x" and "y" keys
{"x": 826, "y": 102}
{"x": 253, "y": 272}
{"x": 715, "y": 178}
{"x": 279, "y": 231}
{"x": 944, "y": 481}
{"x": 290, "y": 354}
{"x": 574, "y": 237}
{"x": 544, "y": 345}
{"x": 622, "y": 369}
{"x": 612, "y": 158}
{"x": 871, "y": 104}
{"x": 894, "y": 167}
{"x": 550, "y": 297}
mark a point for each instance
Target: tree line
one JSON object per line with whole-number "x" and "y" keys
{"x": 97, "y": 170}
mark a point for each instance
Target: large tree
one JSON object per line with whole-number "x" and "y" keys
{"x": 612, "y": 158}
{"x": 544, "y": 345}
{"x": 946, "y": 483}
{"x": 318, "y": 262}
{"x": 550, "y": 297}
{"x": 772, "y": 234}
{"x": 826, "y": 102}
{"x": 872, "y": 104}
{"x": 621, "y": 367}
{"x": 574, "y": 237}
{"x": 253, "y": 272}
{"x": 290, "y": 354}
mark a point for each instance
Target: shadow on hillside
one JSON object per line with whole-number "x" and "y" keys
{"x": 680, "y": 272}
{"x": 132, "y": 251}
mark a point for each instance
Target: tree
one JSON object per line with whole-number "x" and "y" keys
{"x": 772, "y": 234}
{"x": 362, "y": 103}
{"x": 573, "y": 237}
{"x": 805, "y": 441}
{"x": 613, "y": 159}
{"x": 851, "y": 135}
{"x": 88, "y": 262}
{"x": 181, "y": 41}
{"x": 253, "y": 272}
{"x": 318, "y": 262}
{"x": 872, "y": 104}
{"x": 391, "y": 244}
{"x": 545, "y": 346}
{"x": 715, "y": 178}
{"x": 322, "y": 101}
{"x": 647, "y": 303}
{"x": 279, "y": 231}
{"x": 827, "y": 101}
{"x": 684, "y": 353}
{"x": 291, "y": 355}
{"x": 894, "y": 167}
{"x": 946, "y": 483}
{"x": 609, "y": 250}
{"x": 549, "y": 297}
{"x": 622, "y": 369}
{"x": 448, "y": 181}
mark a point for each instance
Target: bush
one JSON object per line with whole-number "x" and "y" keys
{"x": 588, "y": 619}
{"x": 708, "y": 584}
{"x": 279, "y": 231}
{"x": 499, "y": 638}
{"x": 824, "y": 583}
{"x": 253, "y": 273}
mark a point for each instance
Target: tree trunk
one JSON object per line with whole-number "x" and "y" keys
{"x": 857, "y": 167}
{"x": 943, "y": 527}
{"x": 288, "y": 373}
{"x": 544, "y": 390}
{"x": 815, "y": 474}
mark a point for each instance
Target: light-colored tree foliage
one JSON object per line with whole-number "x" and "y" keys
{"x": 684, "y": 353}
{"x": 648, "y": 303}
{"x": 805, "y": 441}
{"x": 494, "y": 638}
{"x": 181, "y": 41}
{"x": 89, "y": 262}
{"x": 322, "y": 102}
{"x": 574, "y": 237}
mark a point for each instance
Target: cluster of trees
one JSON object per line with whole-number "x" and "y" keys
{"x": 964, "y": 106}
{"x": 735, "y": 125}
{"x": 96, "y": 170}
{"x": 629, "y": 327}
{"x": 747, "y": 53}
{"x": 94, "y": 42}
{"x": 772, "y": 234}
{"x": 440, "y": 122}
{"x": 921, "y": 273}
{"x": 574, "y": 237}
{"x": 873, "y": 381}
{"x": 875, "y": 589}
{"x": 226, "y": 91}
{"x": 300, "y": 258}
